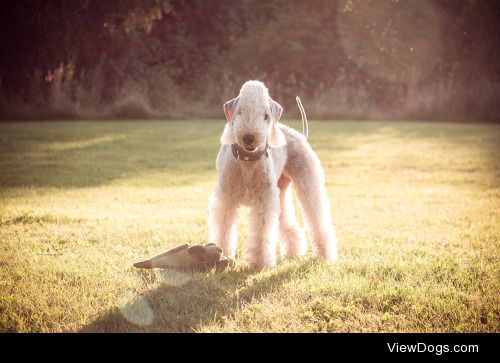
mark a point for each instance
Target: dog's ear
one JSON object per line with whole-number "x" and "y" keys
{"x": 227, "y": 137}
{"x": 276, "y": 137}
{"x": 276, "y": 110}
{"x": 229, "y": 108}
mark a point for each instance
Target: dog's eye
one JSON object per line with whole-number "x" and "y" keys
{"x": 266, "y": 117}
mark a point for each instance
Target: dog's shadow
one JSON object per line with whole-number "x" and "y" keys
{"x": 189, "y": 302}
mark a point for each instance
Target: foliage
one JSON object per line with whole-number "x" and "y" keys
{"x": 184, "y": 58}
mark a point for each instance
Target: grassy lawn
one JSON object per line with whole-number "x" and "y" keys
{"x": 416, "y": 207}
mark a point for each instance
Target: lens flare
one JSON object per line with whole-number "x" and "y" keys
{"x": 136, "y": 309}
{"x": 398, "y": 41}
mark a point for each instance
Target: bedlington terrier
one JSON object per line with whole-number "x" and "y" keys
{"x": 257, "y": 163}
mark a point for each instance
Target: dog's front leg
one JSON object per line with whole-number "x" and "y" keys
{"x": 263, "y": 229}
{"x": 222, "y": 212}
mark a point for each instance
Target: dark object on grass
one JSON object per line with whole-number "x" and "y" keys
{"x": 189, "y": 258}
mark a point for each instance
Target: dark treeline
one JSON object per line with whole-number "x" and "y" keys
{"x": 395, "y": 59}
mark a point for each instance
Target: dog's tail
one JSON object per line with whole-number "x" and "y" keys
{"x": 305, "y": 128}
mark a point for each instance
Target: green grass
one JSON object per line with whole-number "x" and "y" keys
{"x": 416, "y": 207}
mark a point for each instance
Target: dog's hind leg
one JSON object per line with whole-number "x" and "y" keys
{"x": 309, "y": 183}
{"x": 291, "y": 234}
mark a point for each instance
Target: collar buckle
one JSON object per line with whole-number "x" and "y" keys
{"x": 242, "y": 154}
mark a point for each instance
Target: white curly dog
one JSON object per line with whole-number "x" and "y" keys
{"x": 258, "y": 160}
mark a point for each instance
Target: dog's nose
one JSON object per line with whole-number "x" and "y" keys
{"x": 248, "y": 139}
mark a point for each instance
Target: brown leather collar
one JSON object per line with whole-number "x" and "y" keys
{"x": 240, "y": 153}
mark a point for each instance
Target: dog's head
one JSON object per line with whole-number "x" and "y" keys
{"x": 252, "y": 118}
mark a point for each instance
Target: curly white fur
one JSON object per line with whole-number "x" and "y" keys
{"x": 264, "y": 185}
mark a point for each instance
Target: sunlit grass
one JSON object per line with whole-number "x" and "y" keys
{"x": 416, "y": 207}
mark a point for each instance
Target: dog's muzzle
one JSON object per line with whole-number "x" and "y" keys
{"x": 240, "y": 153}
